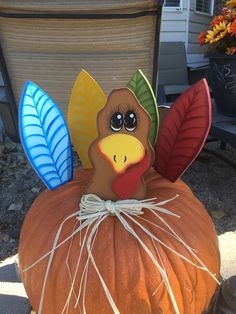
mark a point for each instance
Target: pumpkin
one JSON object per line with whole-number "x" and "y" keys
{"x": 133, "y": 281}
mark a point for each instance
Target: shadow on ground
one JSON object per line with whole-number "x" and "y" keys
{"x": 8, "y": 304}
{"x": 9, "y": 273}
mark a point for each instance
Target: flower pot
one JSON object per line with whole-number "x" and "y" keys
{"x": 222, "y": 76}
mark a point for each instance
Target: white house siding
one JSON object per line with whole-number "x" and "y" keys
{"x": 174, "y": 24}
{"x": 197, "y": 23}
{"x": 181, "y": 25}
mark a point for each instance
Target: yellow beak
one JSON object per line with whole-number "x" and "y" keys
{"x": 122, "y": 150}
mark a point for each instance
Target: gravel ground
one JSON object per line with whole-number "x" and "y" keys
{"x": 212, "y": 180}
{"x": 19, "y": 186}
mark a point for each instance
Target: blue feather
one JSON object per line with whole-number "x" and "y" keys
{"x": 45, "y": 137}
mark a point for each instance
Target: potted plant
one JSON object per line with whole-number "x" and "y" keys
{"x": 221, "y": 42}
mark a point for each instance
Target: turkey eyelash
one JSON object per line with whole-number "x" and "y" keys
{"x": 108, "y": 119}
{"x": 116, "y": 109}
{"x": 110, "y": 113}
{"x": 122, "y": 109}
{"x": 129, "y": 107}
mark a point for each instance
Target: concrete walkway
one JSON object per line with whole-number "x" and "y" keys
{"x": 13, "y": 299}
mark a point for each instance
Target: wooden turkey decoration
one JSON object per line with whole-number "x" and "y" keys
{"x": 122, "y": 148}
{"x": 104, "y": 240}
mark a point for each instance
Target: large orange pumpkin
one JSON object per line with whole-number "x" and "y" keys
{"x": 126, "y": 269}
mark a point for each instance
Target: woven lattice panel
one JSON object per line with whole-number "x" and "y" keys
{"x": 51, "y": 52}
{"x": 98, "y": 6}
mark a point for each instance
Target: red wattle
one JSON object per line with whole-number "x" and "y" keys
{"x": 127, "y": 183}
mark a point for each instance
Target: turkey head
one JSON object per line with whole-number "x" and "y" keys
{"x": 121, "y": 153}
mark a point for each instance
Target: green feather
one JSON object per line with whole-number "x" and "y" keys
{"x": 142, "y": 89}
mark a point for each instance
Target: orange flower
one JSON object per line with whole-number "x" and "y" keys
{"x": 225, "y": 11}
{"x": 231, "y": 50}
{"x": 217, "y": 19}
{"x": 228, "y": 14}
{"x": 230, "y": 3}
{"x": 217, "y": 33}
{"x": 232, "y": 28}
{"x": 201, "y": 38}
{"x": 222, "y": 33}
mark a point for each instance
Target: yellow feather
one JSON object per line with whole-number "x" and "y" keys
{"x": 87, "y": 99}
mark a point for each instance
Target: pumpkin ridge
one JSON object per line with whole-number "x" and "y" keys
{"x": 174, "y": 244}
{"x": 153, "y": 250}
{"x": 169, "y": 243}
{"x": 144, "y": 274}
{"x": 173, "y": 273}
{"x": 116, "y": 290}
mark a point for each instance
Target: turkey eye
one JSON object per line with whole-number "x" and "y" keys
{"x": 130, "y": 121}
{"x": 116, "y": 122}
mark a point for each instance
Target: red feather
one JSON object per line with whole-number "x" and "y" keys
{"x": 183, "y": 131}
